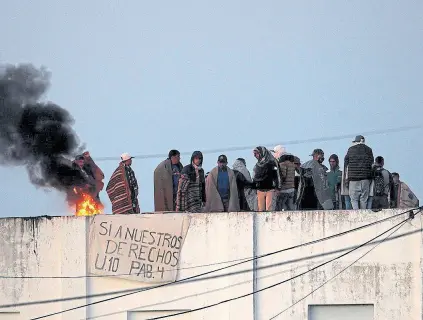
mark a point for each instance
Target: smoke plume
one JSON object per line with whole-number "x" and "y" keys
{"x": 36, "y": 134}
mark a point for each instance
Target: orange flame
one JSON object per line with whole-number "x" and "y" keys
{"x": 86, "y": 205}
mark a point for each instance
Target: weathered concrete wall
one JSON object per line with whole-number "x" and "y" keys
{"x": 390, "y": 277}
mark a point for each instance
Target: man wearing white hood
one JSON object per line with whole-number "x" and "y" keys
{"x": 285, "y": 197}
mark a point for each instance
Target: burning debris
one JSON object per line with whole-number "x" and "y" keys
{"x": 39, "y": 135}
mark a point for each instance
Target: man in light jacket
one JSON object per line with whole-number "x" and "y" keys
{"x": 166, "y": 179}
{"x": 221, "y": 188}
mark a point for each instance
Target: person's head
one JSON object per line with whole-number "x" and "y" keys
{"x": 379, "y": 161}
{"x": 222, "y": 161}
{"x": 333, "y": 161}
{"x": 396, "y": 177}
{"x": 359, "y": 139}
{"x": 318, "y": 155}
{"x": 297, "y": 162}
{"x": 126, "y": 159}
{"x": 259, "y": 153}
{"x": 278, "y": 151}
{"x": 80, "y": 161}
{"x": 197, "y": 158}
{"x": 174, "y": 156}
{"x": 242, "y": 160}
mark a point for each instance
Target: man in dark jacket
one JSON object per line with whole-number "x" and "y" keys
{"x": 266, "y": 178}
{"x": 383, "y": 190}
{"x": 285, "y": 196}
{"x": 358, "y": 163}
{"x": 334, "y": 180}
{"x": 313, "y": 191}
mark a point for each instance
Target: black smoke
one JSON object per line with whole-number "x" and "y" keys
{"x": 36, "y": 134}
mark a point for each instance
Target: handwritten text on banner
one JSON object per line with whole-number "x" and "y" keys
{"x": 144, "y": 248}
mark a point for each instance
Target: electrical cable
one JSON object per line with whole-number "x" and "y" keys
{"x": 337, "y": 274}
{"x": 209, "y": 264}
{"x": 292, "y": 142}
{"x": 205, "y": 273}
{"x": 281, "y": 282}
{"x": 228, "y": 274}
{"x": 248, "y": 281}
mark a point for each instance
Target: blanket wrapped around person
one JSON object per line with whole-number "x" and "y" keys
{"x": 214, "y": 201}
{"x": 191, "y": 190}
{"x": 122, "y": 190}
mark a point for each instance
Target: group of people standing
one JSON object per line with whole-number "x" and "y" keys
{"x": 279, "y": 182}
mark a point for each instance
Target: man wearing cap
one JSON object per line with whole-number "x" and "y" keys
{"x": 221, "y": 188}
{"x": 358, "y": 167}
{"x": 166, "y": 180}
{"x": 313, "y": 191}
{"x": 122, "y": 188}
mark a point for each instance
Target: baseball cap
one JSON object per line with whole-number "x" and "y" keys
{"x": 222, "y": 159}
{"x": 317, "y": 151}
{"x": 125, "y": 156}
{"x": 79, "y": 157}
{"x": 359, "y": 138}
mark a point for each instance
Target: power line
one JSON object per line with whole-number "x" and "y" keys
{"x": 344, "y": 269}
{"x": 216, "y": 270}
{"x": 281, "y": 282}
{"x": 209, "y": 264}
{"x": 291, "y": 142}
{"x": 228, "y": 274}
{"x": 260, "y": 278}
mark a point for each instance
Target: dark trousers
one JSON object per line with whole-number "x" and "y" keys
{"x": 380, "y": 202}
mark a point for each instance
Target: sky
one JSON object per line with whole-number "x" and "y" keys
{"x": 146, "y": 77}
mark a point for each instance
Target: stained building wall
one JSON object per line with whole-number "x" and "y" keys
{"x": 388, "y": 279}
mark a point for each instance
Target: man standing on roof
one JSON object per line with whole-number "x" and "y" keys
{"x": 192, "y": 190}
{"x": 266, "y": 178}
{"x": 297, "y": 163}
{"x": 403, "y": 198}
{"x": 122, "y": 188}
{"x": 95, "y": 172}
{"x": 383, "y": 189}
{"x": 335, "y": 180}
{"x": 166, "y": 180}
{"x": 358, "y": 165}
{"x": 285, "y": 197}
{"x": 221, "y": 188}
{"x": 313, "y": 191}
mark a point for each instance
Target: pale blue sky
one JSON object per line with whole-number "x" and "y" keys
{"x": 144, "y": 77}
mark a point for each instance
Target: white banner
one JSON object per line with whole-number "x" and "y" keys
{"x": 138, "y": 247}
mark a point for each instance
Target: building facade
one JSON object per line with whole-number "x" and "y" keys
{"x": 44, "y": 270}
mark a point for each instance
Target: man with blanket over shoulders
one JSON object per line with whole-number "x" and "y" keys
{"x": 221, "y": 188}
{"x": 313, "y": 191}
{"x": 191, "y": 190}
{"x": 123, "y": 188}
{"x": 166, "y": 180}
